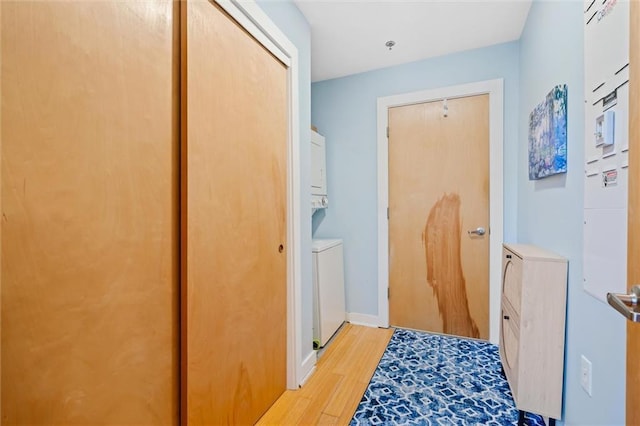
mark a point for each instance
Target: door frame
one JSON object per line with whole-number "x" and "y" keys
{"x": 494, "y": 88}
{"x": 255, "y": 21}
{"x": 632, "y": 385}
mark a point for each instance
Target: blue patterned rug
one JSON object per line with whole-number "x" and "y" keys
{"x": 430, "y": 379}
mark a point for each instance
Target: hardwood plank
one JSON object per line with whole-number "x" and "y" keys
{"x": 329, "y": 387}
{"x": 350, "y": 409}
{"x": 362, "y": 364}
{"x": 349, "y": 352}
{"x": 320, "y": 383}
{"x": 333, "y": 393}
{"x": 339, "y": 400}
{"x": 326, "y": 419}
{"x": 290, "y": 407}
{"x": 345, "y": 338}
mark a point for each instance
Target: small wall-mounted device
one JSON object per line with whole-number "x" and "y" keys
{"x": 319, "y": 202}
{"x": 605, "y": 128}
{"x": 610, "y": 177}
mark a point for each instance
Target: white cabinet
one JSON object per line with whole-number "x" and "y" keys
{"x": 328, "y": 289}
{"x": 318, "y": 171}
{"x": 534, "y": 283}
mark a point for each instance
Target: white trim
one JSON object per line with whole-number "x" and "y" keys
{"x": 363, "y": 319}
{"x": 496, "y": 117}
{"x": 308, "y": 367}
{"x": 253, "y": 19}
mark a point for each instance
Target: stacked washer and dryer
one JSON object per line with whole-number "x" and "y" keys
{"x": 329, "y": 310}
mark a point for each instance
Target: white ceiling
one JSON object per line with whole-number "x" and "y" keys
{"x": 348, "y": 37}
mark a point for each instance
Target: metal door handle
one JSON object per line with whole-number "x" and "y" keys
{"x": 478, "y": 231}
{"x": 626, "y": 304}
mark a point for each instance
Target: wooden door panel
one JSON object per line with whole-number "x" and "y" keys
{"x": 235, "y": 313}
{"x": 633, "y": 231}
{"x": 90, "y": 215}
{"x": 439, "y": 189}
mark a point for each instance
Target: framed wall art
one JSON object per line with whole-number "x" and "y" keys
{"x": 548, "y": 135}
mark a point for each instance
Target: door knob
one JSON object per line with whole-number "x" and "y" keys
{"x": 478, "y": 231}
{"x": 626, "y": 304}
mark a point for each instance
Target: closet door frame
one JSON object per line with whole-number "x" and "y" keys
{"x": 255, "y": 21}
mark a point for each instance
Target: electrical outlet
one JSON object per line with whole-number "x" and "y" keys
{"x": 585, "y": 374}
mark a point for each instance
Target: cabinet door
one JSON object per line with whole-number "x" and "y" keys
{"x": 90, "y": 213}
{"x": 509, "y": 343}
{"x": 512, "y": 279}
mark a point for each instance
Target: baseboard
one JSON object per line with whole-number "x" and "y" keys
{"x": 308, "y": 367}
{"x": 363, "y": 319}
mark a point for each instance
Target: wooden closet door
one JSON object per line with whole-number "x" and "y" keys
{"x": 234, "y": 288}
{"x": 89, "y": 213}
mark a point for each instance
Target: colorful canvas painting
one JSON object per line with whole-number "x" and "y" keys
{"x": 548, "y": 135}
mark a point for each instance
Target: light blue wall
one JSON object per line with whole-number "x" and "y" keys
{"x": 344, "y": 110}
{"x": 550, "y": 212}
{"x": 294, "y": 25}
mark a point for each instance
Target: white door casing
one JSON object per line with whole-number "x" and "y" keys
{"x": 494, "y": 88}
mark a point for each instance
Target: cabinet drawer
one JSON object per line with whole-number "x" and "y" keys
{"x": 509, "y": 345}
{"x": 511, "y": 279}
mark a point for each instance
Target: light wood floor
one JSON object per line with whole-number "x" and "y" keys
{"x": 332, "y": 394}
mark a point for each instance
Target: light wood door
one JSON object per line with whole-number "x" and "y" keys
{"x": 438, "y": 190}
{"x": 89, "y": 213}
{"x": 234, "y": 290}
{"x": 633, "y": 230}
